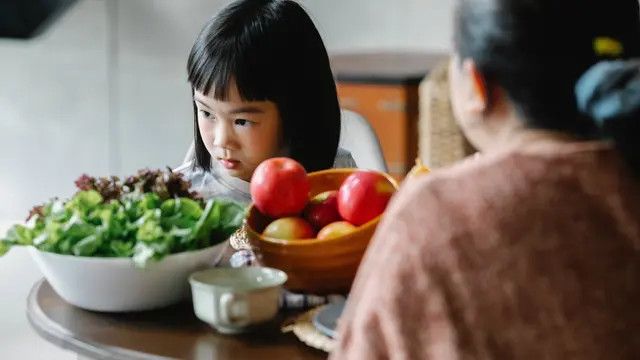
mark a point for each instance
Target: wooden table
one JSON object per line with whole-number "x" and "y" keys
{"x": 173, "y": 332}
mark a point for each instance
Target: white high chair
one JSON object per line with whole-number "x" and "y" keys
{"x": 358, "y": 137}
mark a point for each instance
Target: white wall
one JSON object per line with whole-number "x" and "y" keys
{"x": 347, "y": 25}
{"x": 104, "y": 92}
{"x": 54, "y": 120}
{"x": 53, "y": 113}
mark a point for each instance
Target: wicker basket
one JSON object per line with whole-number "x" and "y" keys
{"x": 441, "y": 141}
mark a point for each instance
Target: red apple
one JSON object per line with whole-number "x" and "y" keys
{"x": 279, "y": 187}
{"x": 289, "y": 228}
{"x": 336, "y": 229}
{"x": 322, "y": 209}
{"x": 363, "y": 196}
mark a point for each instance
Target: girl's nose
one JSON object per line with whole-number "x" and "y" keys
{"x": 223, "y": 136}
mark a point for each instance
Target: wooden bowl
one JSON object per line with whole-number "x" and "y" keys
{"x": 314, "y": 266}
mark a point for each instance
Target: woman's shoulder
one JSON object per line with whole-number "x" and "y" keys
{"x": 501, "y": 183}
{"x": 476, "y": 185}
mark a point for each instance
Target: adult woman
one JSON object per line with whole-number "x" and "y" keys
{"x": 532, "y": 250}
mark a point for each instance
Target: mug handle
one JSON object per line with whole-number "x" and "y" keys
{"x": 229, "y": 303}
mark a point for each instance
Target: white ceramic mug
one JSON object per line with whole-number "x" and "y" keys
{"x": 233, "y": 299}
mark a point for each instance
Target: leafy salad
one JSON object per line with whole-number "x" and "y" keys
{"x": 146, "y": 217}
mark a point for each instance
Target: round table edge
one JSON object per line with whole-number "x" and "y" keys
{"x": 57, "y": 335}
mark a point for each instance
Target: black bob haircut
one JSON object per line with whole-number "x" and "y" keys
{"x": 537, "y": 49}
{"x": 273, "y": 51}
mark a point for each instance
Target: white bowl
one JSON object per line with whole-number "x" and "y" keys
{"x": 116, "y": 285}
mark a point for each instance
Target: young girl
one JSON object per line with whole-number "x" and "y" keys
{"x": 262, "y": 87}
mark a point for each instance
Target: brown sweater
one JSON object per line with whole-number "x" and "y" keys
{"x": 510, "y": 256}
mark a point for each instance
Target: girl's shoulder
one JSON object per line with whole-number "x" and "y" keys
{"x": 199, "y": 178}
{"x": 185, "y": 168}
{"x": 210, "y": 184}
{"x": 191, "y": 173}
{"x": 344, "y": 159}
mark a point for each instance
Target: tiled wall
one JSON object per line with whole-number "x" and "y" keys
{"x": 103, "y": 91}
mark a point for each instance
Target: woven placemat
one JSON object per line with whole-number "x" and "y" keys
{"x": 302, "y": 327}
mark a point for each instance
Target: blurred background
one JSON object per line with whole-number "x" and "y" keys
{"x": 101, "y": 89}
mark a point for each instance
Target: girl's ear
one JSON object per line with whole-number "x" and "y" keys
{"x": 477, "y": 91}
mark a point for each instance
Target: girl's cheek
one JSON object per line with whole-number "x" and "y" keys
{"x": 206, "y": 132}
{"x": 204, "y": 125}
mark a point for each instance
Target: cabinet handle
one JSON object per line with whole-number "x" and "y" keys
{"x": 392, "y": 105}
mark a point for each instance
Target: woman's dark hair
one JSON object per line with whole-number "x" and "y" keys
{"x": 273, "y": 51}
{"x": 536, "y": 50}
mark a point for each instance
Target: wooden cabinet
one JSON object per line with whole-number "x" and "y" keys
{"x": 383, "y": 87}
{"x": 392, "y": 112}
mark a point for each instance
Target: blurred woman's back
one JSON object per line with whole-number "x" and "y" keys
{"x": 532, "y": 250}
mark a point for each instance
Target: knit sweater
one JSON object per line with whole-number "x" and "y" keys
{"x": 516, "y": 255}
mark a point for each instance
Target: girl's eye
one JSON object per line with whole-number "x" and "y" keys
{"x": 206, "y": 114}
{"x": 242, "y": 122}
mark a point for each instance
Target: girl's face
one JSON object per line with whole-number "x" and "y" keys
{"x": 239, "y": 134}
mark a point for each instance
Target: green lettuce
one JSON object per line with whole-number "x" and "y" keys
{"x": 140, "y": 225}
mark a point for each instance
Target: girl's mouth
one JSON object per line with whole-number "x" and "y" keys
{"x": 229, "y": 164}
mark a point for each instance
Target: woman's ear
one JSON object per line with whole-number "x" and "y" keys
{"x": 477, "y": 92}
{"x": 470, "y": 95}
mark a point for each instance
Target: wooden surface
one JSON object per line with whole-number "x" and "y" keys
{"x": 392, "y": 68}
{"x": 173, "y": 332}
{"x": 392, "y": 111}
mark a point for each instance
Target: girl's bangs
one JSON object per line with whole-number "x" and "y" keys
{"x": 216, "y": 71}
